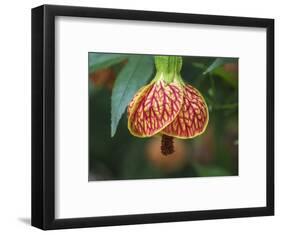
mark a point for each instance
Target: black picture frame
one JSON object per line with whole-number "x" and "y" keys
{"x": 43, "y": 116}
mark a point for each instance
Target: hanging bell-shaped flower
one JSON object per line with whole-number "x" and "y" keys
{"x": 167, "y": 106}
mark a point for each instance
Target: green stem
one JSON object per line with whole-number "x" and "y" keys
{"x": 168, "y": 68}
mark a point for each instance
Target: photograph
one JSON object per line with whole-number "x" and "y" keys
{"x": 147, "y": 116}
{"x": 162, "y": 116}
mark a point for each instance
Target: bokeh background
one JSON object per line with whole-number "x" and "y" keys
{"x": 214, "y": 153}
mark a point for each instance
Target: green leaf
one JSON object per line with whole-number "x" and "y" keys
{"x": 218, "y": 62}
{"x": 226, "y": 106}
{"x": 226, "y": 76}
{"x": 91, "y": 87}
{"x": 103, "y": 60}
{"x": 210, "y": 170}
{"x": 133, "y": 76}
{"x": 198, "y": 65}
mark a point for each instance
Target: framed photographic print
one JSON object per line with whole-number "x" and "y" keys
{"x": 147, "y": 117}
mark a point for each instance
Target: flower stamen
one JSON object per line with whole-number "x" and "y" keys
{"x": 167, "y": 145}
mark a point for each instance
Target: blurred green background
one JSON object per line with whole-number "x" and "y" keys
{"x": 123, "y": 156}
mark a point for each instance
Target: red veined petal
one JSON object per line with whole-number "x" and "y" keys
{"x": 154, "y": 107}
{"x": 193, "y": 117}
{"x": 136, "y": 96}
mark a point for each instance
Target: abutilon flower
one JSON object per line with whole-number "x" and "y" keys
{"x": 167, "y": 106}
